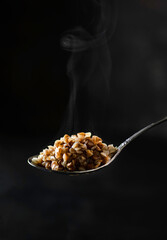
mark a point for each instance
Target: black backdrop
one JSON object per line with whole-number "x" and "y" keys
{"x": 125, "y": 201}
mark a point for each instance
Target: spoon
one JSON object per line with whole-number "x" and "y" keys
{"x": 120, "y": 148}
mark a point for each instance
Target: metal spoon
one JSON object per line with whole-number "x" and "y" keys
{"x": 120, "y": 148}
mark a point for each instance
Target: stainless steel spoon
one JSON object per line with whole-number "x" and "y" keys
{"x": 120, "y": 148}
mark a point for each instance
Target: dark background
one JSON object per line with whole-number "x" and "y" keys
{"x": 124, "y": 201}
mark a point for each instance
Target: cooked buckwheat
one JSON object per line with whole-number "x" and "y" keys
{"x": 75, "y": 153}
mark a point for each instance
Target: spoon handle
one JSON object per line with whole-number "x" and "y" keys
{"x": 135, "y": 135}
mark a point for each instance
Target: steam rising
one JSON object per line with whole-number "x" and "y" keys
{"x": 89, "y": 69}
{"x": 79, "y": 40}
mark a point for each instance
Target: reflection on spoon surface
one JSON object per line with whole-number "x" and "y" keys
{"x": 120, "y": 148}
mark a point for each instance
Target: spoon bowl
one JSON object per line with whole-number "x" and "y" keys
{"x": 73, "y": 172}
{"x": 120, "y": 148}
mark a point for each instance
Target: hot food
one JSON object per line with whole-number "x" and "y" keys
{"x": 75, "y": 153}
